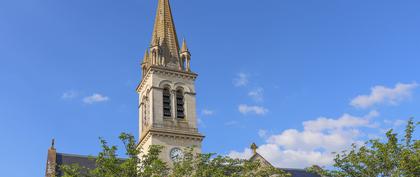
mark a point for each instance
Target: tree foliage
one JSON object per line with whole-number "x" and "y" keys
{"x": 389, "y": 158}
{"x": 149, "y": 165}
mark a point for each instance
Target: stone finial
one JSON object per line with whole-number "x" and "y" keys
{"x": 53, "y": 143}
{"x": 254, "y": 148}
{"x": 184, "y": 46}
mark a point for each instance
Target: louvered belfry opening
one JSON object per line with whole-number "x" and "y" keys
{"x": 180, "y": 104}
{"x": 166, "y": 103}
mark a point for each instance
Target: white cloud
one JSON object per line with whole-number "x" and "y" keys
{"x": 257, "y": 94}
{"x": 246, "y": 109}
{"x": 246, "y": 154}
{"x": 315, "y": 144}
{"x": 95, "y": 98}
{"x": 207, "y": 112}
{"x": 345, "y": 121}
{"x": 241, "y": 80}
{"x": 384, "y": 95}
{"x": 68, "y": 95}
{"x": 262, "y": 133}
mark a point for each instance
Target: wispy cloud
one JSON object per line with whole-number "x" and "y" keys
{"x": 207, "y": 112}
{"x": 262, "y": 133}
{"x": 314, "y": 144}
{"x": 241, "y": 80}
{"x": 95, "y": 98}
{"x": 385, "y": 95}
{"x": 257, "y": 94}
{"x": 246, "y": 109}
{"x": 68, "y": 95}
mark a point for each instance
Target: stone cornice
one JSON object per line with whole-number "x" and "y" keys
{"x": 170, "y": 133}
{"x": 167, "y": 71}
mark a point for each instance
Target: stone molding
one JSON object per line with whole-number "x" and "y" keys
{"x": 168, "y": 72}
{"x": 170, "y": 133}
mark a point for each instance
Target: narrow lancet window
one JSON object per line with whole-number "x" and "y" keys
{"x": 180, "y": 104}
{"x": 166, "y": 103}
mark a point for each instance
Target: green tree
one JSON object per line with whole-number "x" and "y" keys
{"x": 389, "y": 158}
{"x": 210, "y": 165}
{"x": 191, "y": 165}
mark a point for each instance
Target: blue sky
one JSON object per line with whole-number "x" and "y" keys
{"x": 300, "y": 78}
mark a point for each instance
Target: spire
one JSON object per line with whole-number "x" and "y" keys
{"x": 184, "y": 46}
{"x": 164, "y": 32}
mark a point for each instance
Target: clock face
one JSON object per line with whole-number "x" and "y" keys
{"x": 176, "y": 154}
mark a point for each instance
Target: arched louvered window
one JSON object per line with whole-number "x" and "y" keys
{"x": 180, "y": 104}
{"x": 166, "y": 102}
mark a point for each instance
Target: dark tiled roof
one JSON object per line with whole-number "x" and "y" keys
{"x": 89, "y": 162}
{"x": 293, "y": 172}
{"x": 70, "y": 159}
{"x": 299, "y": 173}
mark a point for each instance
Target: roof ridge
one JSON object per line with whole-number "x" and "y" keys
{"x": 84, "y": 156}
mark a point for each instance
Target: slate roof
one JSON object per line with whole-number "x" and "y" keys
{"x": 293, "y": 172}
{"x": 89, "y": 162}
{"x": 299, "y": 173}
{"x": 70, "y": 159}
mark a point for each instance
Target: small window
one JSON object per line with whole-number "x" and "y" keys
{"x": 180, "y": 105}
{"x": 166, "y": 103}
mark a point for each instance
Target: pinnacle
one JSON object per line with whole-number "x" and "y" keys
{"x": 184, "y": 46}
{"x": 146, "y": 56}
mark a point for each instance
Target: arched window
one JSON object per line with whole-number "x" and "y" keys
{"x": 180, "y": 104}
{"x": 166, "y": 102}
{"x": 183, "y": 63}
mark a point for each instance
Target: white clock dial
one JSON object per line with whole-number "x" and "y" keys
{"x": 176, "y": 154}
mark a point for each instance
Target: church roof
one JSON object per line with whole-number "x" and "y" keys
{"x": 293, "y": 172}
{"x": 299, "y": 172}
{"x": 70, "y": 159}
{"x": 89, "y": 162}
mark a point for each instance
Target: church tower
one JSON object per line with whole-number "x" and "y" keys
{"x": 167, "y": 106}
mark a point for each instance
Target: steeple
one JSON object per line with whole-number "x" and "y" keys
{"x": 164, "y": 35}
{"x": 167, "y": 97}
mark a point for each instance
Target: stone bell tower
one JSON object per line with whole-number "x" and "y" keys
{"x": 167, "y": 103}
